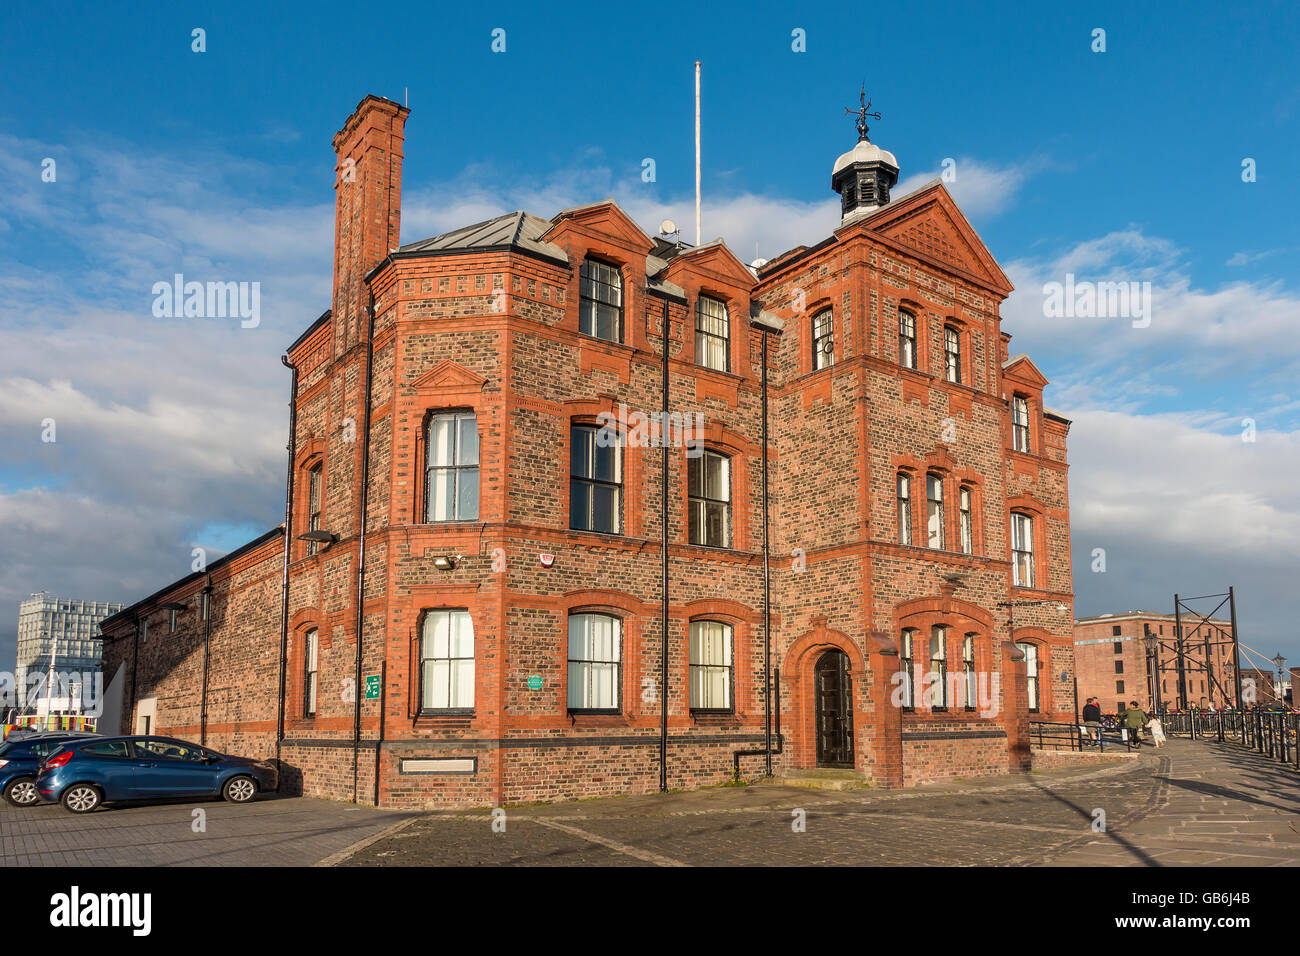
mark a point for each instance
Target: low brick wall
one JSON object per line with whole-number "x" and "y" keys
{"x": 1054, "y": 759}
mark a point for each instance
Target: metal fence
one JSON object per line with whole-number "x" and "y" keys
{"x": 1271, "y": 733}
{"x": 1047, "y": 735}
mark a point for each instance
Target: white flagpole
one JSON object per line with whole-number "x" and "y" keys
{"x": 698, "y": 234}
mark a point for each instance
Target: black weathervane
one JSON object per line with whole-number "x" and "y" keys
{"x": 864, "y": 105}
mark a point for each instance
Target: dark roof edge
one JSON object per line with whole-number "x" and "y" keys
{"x": 468, "y": 250}
{"x": 126, "y": 612}
{"x": 324, "y": 317}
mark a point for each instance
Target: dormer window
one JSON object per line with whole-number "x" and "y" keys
{"x": 1020, "y": 423}
{"x": 601, "y": 306}
{"x": 712, "y": 334}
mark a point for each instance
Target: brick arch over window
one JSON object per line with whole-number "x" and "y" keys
{"x": 1041, "y": 638}
{"x": 747, "y": 674}
{"x": 1029, "y": 505}
{"x": 804, "y": 325}
{"x": 588, "y": 412}
{"x": 797, "y": 678}
{"x": 958, "y": 618}
{"x": 300, "y": 623}
{"x": 630, "y": 611}
{"x": 309, "y": 455}
{"x": 739, "y": 450}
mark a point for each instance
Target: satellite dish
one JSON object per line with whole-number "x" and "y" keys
{"x": 758, "y": 263}
{"x": 667, "y": 227}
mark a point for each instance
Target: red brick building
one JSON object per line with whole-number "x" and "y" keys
{"x": 493, "y": 631}
{"x": 1116, "y": 656}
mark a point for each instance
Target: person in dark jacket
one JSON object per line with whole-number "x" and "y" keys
{"x": 1092, "y": 720}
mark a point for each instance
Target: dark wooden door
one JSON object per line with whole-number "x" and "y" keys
{"x": 834, "y": 703}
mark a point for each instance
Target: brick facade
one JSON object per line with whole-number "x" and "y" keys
{"x": 488, "y": 322}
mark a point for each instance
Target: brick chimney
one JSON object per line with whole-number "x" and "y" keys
{"x": 367, "y": 207}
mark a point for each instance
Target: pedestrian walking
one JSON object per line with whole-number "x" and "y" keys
{"x": 1092, "y": 720}
{"x": 1135, "y": 720}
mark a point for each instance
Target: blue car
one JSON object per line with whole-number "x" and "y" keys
{"x": 83, "y": 774}
{"x": 19, "y": 760}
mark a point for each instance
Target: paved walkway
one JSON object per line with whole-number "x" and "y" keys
{"x": 1215, "y": 805}
{"x": 271, "y": 831}
{"x": 1189, "y": 803}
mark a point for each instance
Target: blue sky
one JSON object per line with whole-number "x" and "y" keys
{"x": 1117, "y": 165}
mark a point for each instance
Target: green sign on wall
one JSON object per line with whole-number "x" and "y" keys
{"x": 535, "y": 682}
{"x": 372, "y": 687}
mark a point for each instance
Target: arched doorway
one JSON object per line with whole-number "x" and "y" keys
{"x": 833, "y": 705}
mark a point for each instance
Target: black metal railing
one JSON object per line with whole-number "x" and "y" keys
{"x": 1271, "y": 733}
{"x": 1048, "y": 735}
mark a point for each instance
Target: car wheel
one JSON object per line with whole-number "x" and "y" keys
{"x": 239, "y": 789}
{"x": 81, "y": 798}
{"x": 22, "y": 792}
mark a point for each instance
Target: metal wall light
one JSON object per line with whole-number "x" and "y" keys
{"x": 322, "y": 537}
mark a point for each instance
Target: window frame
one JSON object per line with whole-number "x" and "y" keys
{"x": 1022, "y": 532}
{"x": 592, "y": 481}
{"x": 617, "y": 663}
{"x": 315, "y": 502}
{"x": 695, "y": 494}
{"x": 456, "y": 468}
{"x": 703, "y": 336}
{"x": 1032, "y": 685}
{"x": 907, "y": 667}
{"x": 311, "y": 672}
{"x": 428, "y": 620}
{"x": 586, "y": 280}
{"x": 970, "y": 687}
{"x": 903, "y": 506}
{"x": 952, "y": 356}
{"x": 1021, "y": 439}
{"x": 729, "y": 635}
{"x": 826, "y": 335}
{"x": 939, "y": 634}
{"x": 908, "y": 338}
{"x": 935, "y": 512}
{"x": 966, "y": 518}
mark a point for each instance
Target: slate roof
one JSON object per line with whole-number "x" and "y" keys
{"x": 514, "y": 230}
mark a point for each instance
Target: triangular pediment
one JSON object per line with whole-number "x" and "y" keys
{"x": 713, "y": 260}
{"x": 1022, "y": 368}
{"x": 448, "y": 376}
{"x": 929, "y": 224}
{"x": 604, "y": 218}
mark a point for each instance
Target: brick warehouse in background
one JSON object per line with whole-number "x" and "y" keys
{"x": 1116, "y": 665}
{"x": 510, "y": 561}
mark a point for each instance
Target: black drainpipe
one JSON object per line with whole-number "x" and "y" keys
{"x": 135, "y": 659}
{"x": 288, "y": 544}
{"x": 361, "y": 549}
{"x": 768, "y": 682}
{"x": 663, "y": 527}
{"x": 206, "y": 606}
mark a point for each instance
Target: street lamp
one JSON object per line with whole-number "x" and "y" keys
{"x": 1280, "y": 663}
{"x": 1153, "y": 668}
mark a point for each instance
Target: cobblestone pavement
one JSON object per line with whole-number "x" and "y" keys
{"x": 1189, "y": 803}
{"x": 272, "y": 831}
